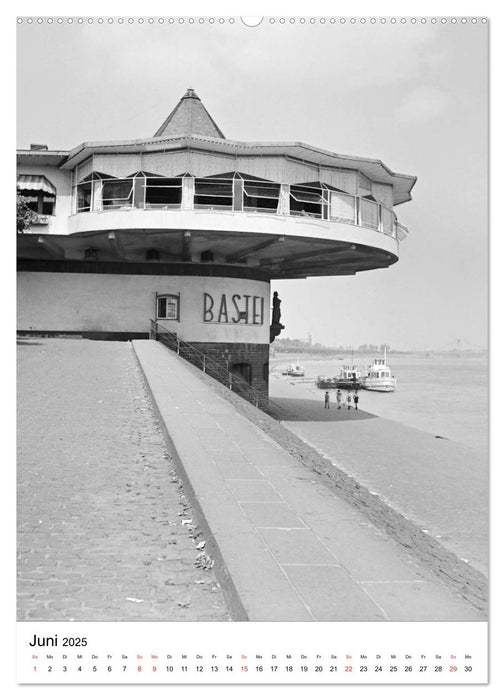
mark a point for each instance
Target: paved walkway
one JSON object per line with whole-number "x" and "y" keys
{"x": 100, "y": 509}
{"x": 286, "y": 548}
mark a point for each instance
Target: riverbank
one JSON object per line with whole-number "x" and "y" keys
{"x": 469, "y": 580}
{"x": 429, "y": 480}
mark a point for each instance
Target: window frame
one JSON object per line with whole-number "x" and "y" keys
{"x": 174, "y": 298}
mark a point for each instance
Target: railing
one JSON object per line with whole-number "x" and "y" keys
{"x": 236, "y": 195}
{"x": 217, "y": 370}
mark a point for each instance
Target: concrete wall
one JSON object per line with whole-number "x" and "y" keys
{"x": 125, "y": 303}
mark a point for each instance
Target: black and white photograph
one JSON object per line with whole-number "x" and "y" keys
{"x": 252, "y": 347}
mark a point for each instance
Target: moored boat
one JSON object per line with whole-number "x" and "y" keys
{"x": 379, "y": 376}
{"x": 348, "y": 378}
{"x": 294, "y": 370}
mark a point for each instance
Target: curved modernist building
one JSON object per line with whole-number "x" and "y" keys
{"x": 189, "y": 228}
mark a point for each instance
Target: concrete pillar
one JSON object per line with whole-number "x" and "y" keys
{"x": 97, "y": 200}
{"x": 284, "y": 200}
{"x": 187, "y": 192}
{"x": 237, "y": 194}
{"x": 139, "y": 192}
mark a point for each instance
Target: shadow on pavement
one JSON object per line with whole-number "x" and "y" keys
{"x": 311, "y": 410}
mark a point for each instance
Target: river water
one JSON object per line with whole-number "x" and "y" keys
{"x": 443, "y": 395}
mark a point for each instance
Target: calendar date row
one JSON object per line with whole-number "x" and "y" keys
{"x": 318, "y": 668}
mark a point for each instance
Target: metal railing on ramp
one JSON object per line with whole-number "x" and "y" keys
{"x": 208, "y": 365}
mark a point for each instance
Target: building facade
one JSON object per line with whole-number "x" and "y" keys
{"x": 189, "y": 228}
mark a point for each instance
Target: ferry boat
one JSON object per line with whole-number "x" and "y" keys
{"x": 348, "y": 378}
{"x": 379, "y": 376}
{"x": 294, "y": 370}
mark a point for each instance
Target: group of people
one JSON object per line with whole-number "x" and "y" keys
{"x": 339, "y": 399}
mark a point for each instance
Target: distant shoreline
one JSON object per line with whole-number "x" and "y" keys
{"x": 346, "y": 355}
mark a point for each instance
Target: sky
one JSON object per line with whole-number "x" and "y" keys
{"x": 412, "y": 95}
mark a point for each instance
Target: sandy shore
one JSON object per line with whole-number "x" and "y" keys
{"x": 439, "y": 484}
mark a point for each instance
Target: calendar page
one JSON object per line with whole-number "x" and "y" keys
{"x": 266, "y": 653}
{"x": 252, "y": 349}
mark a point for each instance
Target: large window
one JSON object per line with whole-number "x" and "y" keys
{"x": 163, "y": 192}
{"x": 307, "y": 201}
{"x": 168, "y": 307}
{"x": 213, "y": 193}
{"x": 260, "y": 195}
{"x": 40, "y": 202}
{"x": 117, "y": 194}
{"x": 84, "y": 196}
{"x": 89, "y": 191}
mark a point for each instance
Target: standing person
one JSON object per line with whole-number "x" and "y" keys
{"x": 349, "y": 400}
{"x": 356, "y": 400}
{"x": 326, "y": 400}
{"x": 338, "y": 398}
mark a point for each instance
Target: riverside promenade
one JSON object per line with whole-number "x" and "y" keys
{"x": 105, "y": 531}
{"x": 286, "y": 546}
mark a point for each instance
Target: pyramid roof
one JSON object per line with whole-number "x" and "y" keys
{"x": 189, "y": 118}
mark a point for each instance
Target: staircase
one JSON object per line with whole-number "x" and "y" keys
{"x": 216, "y": 370}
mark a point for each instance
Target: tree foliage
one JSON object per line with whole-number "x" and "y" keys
{"x": 25, "y": 216}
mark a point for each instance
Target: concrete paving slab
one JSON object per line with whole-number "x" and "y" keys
{"x": 231, "y": 456}
{"x": 300, "y": 547}
{"x": 272, "y": 515}
{"x": 253, "y": 491}
{"x": 215, "y": 443}
{"x": 269, "y": 457}
{"x": 237, "y": 470}
{"x": 301, "y": 488}
{"x": 331, "y": 594}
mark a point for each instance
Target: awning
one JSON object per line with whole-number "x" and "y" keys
{"x": 35, "y": 183}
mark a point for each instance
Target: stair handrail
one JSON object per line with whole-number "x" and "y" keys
{"x": 233, "y": 381}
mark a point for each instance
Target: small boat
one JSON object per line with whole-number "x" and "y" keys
{"x": 379, "y": 376}
{"x": 294, "y": 370}
{"x": 326, "y": 382}
{"x": 348, "y": 378}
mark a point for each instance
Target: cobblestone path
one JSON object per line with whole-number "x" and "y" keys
{"x": 101, "y": 531}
